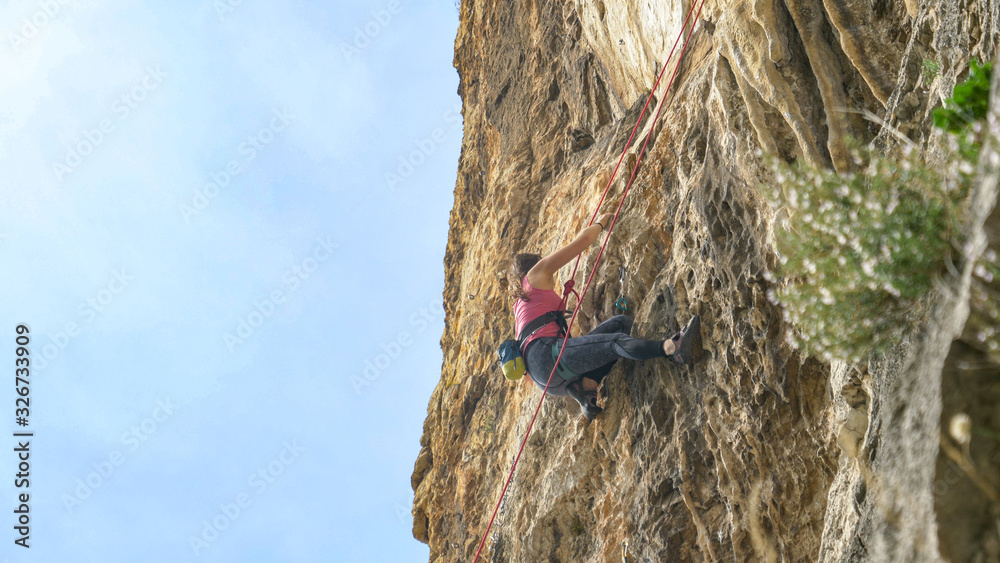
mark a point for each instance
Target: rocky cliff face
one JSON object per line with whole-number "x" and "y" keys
{"x": 758, "y": 453}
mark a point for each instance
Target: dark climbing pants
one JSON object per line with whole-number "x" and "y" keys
{"x": 591, "y": 355}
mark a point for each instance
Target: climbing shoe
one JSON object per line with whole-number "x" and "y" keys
{"x": 684, "y": 342}
{"x": 587, "y": 400}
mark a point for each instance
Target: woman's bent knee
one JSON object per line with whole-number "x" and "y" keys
{"x": 625, "y": 321}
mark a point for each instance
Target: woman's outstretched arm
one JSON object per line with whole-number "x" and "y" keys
{"x": 542, "y": 275}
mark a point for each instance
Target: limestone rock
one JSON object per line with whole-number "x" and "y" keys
{"x": 741, "y": 457}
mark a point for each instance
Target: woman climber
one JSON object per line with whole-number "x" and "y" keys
{"x": 587, "y": 359}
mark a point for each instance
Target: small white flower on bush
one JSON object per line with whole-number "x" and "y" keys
{"x": 860, "y": 251}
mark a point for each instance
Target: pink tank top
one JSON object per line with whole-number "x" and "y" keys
{"x": 542, "y": 301}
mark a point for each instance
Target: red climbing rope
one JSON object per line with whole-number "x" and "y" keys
{"x": 568, "y": 288}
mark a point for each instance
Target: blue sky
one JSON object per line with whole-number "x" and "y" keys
{"x": 197, "y": 226}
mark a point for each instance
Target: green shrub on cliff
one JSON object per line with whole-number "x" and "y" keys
{"x": 858, "y": 252}
{"x": 968, "y": 103}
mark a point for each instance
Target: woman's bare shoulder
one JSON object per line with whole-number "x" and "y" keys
{"x": 540, "y": 279}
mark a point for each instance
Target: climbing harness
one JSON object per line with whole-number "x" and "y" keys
{"x": 621, "y": 304}
{"x": 568, "y": 286}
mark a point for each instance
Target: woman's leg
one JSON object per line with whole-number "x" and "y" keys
{"x": 591, "y": 356}
{"x": 593, "y": 351}
{"x": 617, "y": 324}
{"x": 603, "y": 350}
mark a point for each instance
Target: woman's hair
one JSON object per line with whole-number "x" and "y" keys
{"x": 519, "y": 267}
